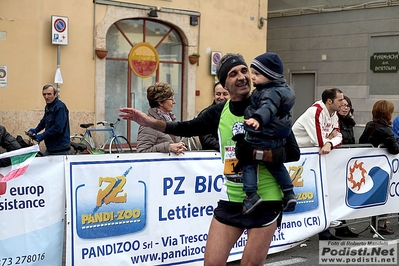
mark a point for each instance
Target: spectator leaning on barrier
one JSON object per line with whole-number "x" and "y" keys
{"x": 55, "y": 122}
{"x": 346, "y": 124}
{"x": 347, "y": 121}
{"x": 161, "y": 99}
{"x": 9, "y": 143}
{"x": 318, "y": 126}
{"x": 379, "y": 131}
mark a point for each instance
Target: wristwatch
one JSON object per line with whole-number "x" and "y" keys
{"x": 259, "y": 155}
{"x": 263, "y": 155}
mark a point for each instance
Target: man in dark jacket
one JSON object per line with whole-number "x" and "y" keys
{"x": 56, "y": 122}
{"x": 211, "y": 141}
{"x": 9, "y": 143}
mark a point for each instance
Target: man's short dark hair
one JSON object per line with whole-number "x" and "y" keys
{"x": 330, "y": 93}
{"x": 48, "y": 86}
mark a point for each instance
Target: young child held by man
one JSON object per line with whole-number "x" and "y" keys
{"x": 267, "y": 123}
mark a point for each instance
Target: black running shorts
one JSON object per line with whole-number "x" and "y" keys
{"x": 265, "y": 213}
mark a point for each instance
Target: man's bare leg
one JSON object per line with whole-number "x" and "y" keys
{"x": 258, "y": 243}
{"x": 221, "y": 238}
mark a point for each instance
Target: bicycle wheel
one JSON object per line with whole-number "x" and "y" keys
{"x": 80, "y": 140}
{"x": 120, "y": 144}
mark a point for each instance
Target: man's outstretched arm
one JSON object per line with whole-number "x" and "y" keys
{"x": 142, "y": 119}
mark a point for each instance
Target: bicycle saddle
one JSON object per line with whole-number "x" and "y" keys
{"x": 86, "y": 125}
{"x": 78, "y": 146}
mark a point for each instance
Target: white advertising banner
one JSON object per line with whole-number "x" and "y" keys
{"x": 362, "y": 182}
{"x": 311, "y": 213}
{"x": 142, "y": 209}
{"x": 32, "y": 213}
{"x": 155, "y": 209}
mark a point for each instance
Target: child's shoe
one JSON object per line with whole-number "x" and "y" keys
{"x": 250, "y": 203}
{"x": 289, "y": 202}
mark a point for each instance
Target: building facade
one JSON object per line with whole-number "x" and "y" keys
{"x": 33, "y": 52}
{"x": 349, "y": 44}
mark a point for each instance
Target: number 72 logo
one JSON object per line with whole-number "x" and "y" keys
{"x": 110, "y": 192}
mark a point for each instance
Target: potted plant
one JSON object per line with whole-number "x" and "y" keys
{"x": 101, "y": 53}
{"x": 193, "y": 58}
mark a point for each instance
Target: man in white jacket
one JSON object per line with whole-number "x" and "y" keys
{"x": 318, "y": 126}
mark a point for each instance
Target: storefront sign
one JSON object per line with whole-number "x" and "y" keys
{"x": 384, "y": 62}
{"x": 143, "y": 59}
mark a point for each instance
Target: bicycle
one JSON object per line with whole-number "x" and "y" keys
{"x": 114, "y": 143}
{"x": 76, "y": 148}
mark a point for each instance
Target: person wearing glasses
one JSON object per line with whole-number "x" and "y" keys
{"x": 346, "y": 125}
{"x": 161, "y": 101}
{"x": 346, "y": 121}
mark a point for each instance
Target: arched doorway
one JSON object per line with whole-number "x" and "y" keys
{"x": 122, "y": 86}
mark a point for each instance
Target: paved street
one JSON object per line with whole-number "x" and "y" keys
{"x": 307, "y": 254}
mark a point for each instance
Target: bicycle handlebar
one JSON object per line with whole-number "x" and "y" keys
{"x": 104, "y": 123}
{"x": 31, "y": 135}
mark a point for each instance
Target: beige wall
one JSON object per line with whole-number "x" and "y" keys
{"x": 26, "y": 49}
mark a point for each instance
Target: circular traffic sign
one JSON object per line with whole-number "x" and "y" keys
{"x": 3, "y": 73}
{"x": 59, "y": 25}
{"x": 216, "y": 58}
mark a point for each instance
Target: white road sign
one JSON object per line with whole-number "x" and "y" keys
{"x": 59, "y": 30}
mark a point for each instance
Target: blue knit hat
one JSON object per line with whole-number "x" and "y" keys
{"x": 269, "y": 65}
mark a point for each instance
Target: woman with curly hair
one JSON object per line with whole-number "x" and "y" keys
{"x": 161, "y": 101}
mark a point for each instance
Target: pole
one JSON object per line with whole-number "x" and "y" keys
{"x": 58, "y": 67}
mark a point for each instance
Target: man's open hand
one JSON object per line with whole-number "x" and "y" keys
{"x": 136, "y": 115}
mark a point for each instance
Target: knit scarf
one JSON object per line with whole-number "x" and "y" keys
{"x": 169, "y": 116}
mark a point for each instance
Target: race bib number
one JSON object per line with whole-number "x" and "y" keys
{"x": 230, "y": 162}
